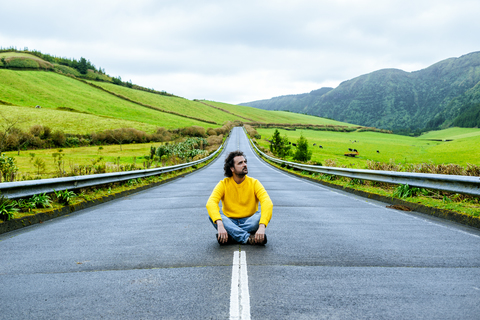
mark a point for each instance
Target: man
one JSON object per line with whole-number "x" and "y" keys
{"x": 240, "y": 220}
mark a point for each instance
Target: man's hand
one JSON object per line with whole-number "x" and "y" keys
{"x": 222, "y": 233}
{"x": 260, "y": 234}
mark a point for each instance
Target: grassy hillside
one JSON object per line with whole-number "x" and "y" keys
{"x": 451, "y": 134}
{"x": 85, "y": 107}
{"x": 70, "y": 122}
{"x": 396, "y": 148}
{"x": 54, "y": 91}
{"x": 259, "y": 115}
{"x": 175, "y": 104}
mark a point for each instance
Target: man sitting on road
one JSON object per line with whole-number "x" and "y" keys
{"x": 240, "y": 220}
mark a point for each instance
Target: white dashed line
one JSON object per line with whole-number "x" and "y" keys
{"x": 239, "y": 295}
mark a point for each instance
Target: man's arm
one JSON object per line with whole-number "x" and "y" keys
{"x": 265, "y": 203}
{"x": 212, "y": 204}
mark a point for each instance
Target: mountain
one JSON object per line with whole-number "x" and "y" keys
{"x": 436, "y": 97}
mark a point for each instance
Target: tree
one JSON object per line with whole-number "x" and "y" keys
{"x": 82, "y": 66}
{"x": 280, "y": 146}
{"x": 276, "y": 143}
{"x": 302, "y": 153}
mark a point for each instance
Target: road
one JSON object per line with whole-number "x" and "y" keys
{"x": 153, "y": 255}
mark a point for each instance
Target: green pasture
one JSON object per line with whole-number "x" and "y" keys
{"x": 68, "y": 122}
{"x": 451, "y": 134}
{"x": 396, "y": 148}
{"x": 52, "y": 91}
{"x": 80, "y": 156}
{"x": 176, "y": 104}
{"x": 19, "y": 55}
{"x": 268, "y": 116}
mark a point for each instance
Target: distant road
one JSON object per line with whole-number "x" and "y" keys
{"x": 153, "y": 255}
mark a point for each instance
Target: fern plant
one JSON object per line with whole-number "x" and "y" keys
{"x": 7, "y": 208}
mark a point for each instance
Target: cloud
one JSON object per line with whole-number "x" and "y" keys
{"x": 235, "y": 51}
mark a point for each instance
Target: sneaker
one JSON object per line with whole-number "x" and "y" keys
{"x": 251, "y": 240}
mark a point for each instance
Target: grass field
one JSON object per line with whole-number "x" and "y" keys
{"x": 52, "y": 91}
{"x": 179, "y": 105}
{"x": 81, "y": 156}
{"x": 400, "y": 149}
{"x": 69, "y": 122}
{"x": 268, "y": 116}
{"x": 452, "y": 134}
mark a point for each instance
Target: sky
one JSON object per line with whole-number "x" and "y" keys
{"x": 241, "y": 51}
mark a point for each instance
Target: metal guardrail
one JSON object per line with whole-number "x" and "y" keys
{"x": 21, "y": 189}
{"x": 452, "y": 183}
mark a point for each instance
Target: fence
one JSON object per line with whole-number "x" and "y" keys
{"x": 452, "y": 183}
{"x": 21, "y": 189}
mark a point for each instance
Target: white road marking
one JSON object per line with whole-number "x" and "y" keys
{"x": 239, "y": 295}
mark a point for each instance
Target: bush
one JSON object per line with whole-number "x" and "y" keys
{"x": 59, "y": 139}
{"x": 72, "y": 142}
{"x": 302, "y": 153}
{"x": 211, "y": 132}
{"x": 193, "y": 131}
{"x": 8, "y": 168}
{"x": 37, "y": 130}
{"x": 12, "y": 142}
{"x": 46, "y": 132}
{"x": 7, "y": 208}
{"x": 22, "y": 63}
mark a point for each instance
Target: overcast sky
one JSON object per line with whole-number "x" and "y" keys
{"x": 240, "y": 51}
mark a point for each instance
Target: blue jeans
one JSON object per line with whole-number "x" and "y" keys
{"x": 240, "y": 229}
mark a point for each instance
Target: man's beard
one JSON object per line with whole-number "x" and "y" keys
{"x": 241, "y": 173}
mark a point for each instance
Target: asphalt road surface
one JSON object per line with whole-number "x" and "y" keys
{"x": 153, "y": 255}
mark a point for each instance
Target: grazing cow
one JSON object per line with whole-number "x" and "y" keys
{"x": 37, "y": 107}
{"x": 378, "y": 151}
{"x": 289, "y": 142}
{"x": 320, "y": 147}
{"x": 294, "y": 144}
{"x": 350, "y": 149}
{"x": 355, "y": 150}
{"x": 314, "y": 144}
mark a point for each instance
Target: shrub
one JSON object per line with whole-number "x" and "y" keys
{"x": 64, "y": 197}
{"x": 302, "y": 153}
{"x": 251, "y": 131}
{"x": 12, "y": 142}
{"x": 42, "y": 200}
{"x": 46, "y": 132}
{"x": 72, "y": 142}
{"x": 22, "y": 63}
{"x": 58, "y": 138}
{"x": 405, "y": 191}
{"x": 211, "y": 132}
{"x": 193, "y": 131}
{"x": 7, "y": 208}
{"x": 8, "y": 168}
{"x": 37, "y": 130}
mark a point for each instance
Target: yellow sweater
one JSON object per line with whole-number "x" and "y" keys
{"x": 240, "y": 200}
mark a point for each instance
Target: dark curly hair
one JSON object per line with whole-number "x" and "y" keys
{"x": 229, "y": 162}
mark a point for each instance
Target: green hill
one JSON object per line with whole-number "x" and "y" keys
{"x": 435, "y": 97}
{"x": 76, "y": 103}
{"x": 54, "y": 91}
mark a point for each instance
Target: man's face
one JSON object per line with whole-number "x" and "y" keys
{"x": 240, "y": 166}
